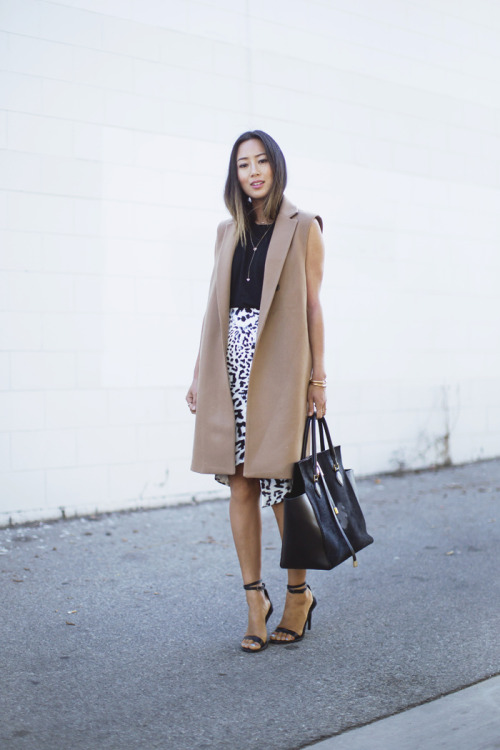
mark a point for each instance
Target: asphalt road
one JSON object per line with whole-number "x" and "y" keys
{"x": 122, "y": 632}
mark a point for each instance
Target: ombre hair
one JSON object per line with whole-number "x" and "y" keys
{"x": 237, "y": 201}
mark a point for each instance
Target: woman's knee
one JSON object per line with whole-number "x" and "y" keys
{"x": 243, "y": 490}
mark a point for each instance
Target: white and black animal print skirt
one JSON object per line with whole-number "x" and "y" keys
{"x": 240, "y": 350}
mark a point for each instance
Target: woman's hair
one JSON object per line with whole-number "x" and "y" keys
{"x": 237, "y": 202}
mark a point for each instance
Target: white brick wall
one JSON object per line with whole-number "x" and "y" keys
{"x": 116, "y": 121}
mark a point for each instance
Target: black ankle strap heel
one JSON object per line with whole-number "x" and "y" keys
{"x": 258, "y": 586}
{"x": 255, "y": 586}
{"x": 299, "y": 588}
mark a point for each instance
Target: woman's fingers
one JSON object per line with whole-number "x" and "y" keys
{"x": 191, "y": 400}
{"x": 316, "y": 399}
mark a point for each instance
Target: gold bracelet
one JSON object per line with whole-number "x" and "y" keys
{"x": 318, "y": 383}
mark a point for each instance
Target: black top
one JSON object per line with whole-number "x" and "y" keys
{"x": 247, "y": 272}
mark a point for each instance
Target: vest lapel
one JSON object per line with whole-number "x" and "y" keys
{"x": 276, "y": 254}
{"x": 223, "y": 279}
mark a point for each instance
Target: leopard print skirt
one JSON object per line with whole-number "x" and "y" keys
{"x": 240, "y": 350}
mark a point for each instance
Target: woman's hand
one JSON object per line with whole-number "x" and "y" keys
{"x": 192, "y": 395}
{"x": 316, "y": 397}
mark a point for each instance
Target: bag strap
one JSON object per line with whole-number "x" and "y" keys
{"x": 335, "y": 513}
{"x": 313, "y": 441}
{"x": 324, "y": 427}
{"x": 310, "y": 426}
{"x": 321, "y": 434}
{"x": 323, "y": 430}
{"x": 306, "y": 435}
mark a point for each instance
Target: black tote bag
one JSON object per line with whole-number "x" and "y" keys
{"x": 323, "y": 521}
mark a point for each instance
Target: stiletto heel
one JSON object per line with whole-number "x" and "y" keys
{"x": 258, "y": 586}
{"x": 300, "y": 588}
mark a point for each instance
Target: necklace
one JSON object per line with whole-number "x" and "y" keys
{"x": 254, "y": 249}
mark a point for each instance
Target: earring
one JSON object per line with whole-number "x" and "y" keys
{"x": 249, "y": 199}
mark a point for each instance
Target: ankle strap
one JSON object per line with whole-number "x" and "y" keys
{"x": 255, "y": 586}
{"x": 299, "y": 588}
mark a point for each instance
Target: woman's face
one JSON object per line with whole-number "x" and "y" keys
{"x": 254, "y": 171}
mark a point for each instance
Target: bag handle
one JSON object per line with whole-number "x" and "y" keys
{"x": 306, "y": 435}
{"x": 336, "y": 467}
{"x": 323, "y": 430}
{"x": 309, "y": 421}
{"x": 321, "y": 434}
{"x": 310, "y": 425}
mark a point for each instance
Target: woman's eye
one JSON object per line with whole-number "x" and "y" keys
{"x": 242, "y": 166}
{"x": 262, "y": 161}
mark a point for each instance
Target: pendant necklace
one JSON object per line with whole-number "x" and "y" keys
{"x": 254, "y": 249}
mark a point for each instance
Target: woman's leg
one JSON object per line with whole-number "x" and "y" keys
{"x": 296, "y": 605}
{"x": 246, "y": 525}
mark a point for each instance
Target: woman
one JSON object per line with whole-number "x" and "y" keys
{"x": 260, "y": 367}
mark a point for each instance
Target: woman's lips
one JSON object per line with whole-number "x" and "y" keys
{"x": 256, "y": 184}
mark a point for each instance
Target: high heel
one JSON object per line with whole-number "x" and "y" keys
{"x": 257, "y": 586}
{"x": 300, "y": 588}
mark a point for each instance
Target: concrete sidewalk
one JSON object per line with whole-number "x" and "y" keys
{"x": 122, "y": 632}
{"x": 466, "y": 720}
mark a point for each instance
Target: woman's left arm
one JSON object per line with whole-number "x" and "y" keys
{"x": 316, "y": 395}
